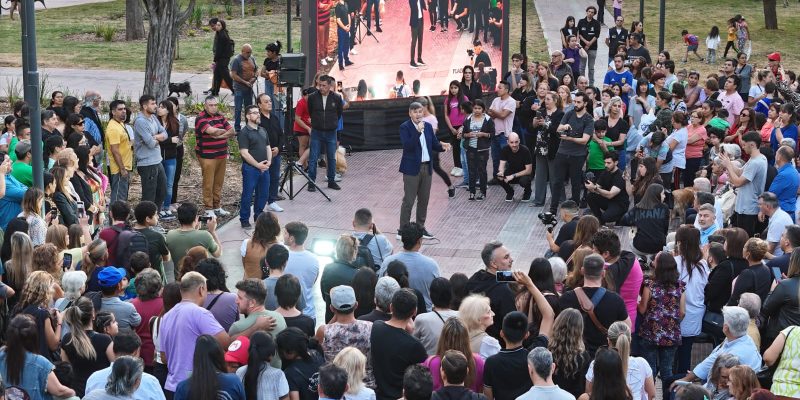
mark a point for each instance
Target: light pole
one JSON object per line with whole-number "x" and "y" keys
{"x": 641, "y": 11}
{"x": 30, "y": 81}
{"x": 523, "y": 39}
{"x": 661, "y": 17}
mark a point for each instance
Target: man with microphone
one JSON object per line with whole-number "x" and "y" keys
{"x": 418, "y": 142}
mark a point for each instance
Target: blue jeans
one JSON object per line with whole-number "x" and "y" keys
{"x": 343, "y": 46}
{"x": 373, "y": 5}
{"x": 119, "y": 187}
{"x": 253, "y": 180}
{"x": 319, "y": 139}
{"x": 464, "y": 165}
{"x": 661, "y": 359}
{"x": 274, "y": 178}
{"x": 241, "y": 99}
{"x": 498, "y": 143}
{"x": 169, "y": 169}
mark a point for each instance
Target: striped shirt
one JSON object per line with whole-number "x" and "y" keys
{"x": 207, "y": 146}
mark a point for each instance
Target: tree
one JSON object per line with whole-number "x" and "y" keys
{"x": 166, "y": 18}
{"x": 770, "y": 14}
{"x": 134, "y": 26}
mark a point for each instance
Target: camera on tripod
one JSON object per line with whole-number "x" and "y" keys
{"x": 548, "y": 219}
{"x": 471, "y": 52}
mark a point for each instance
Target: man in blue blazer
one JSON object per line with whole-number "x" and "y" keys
{"x": 419, "y": 142}
{"x": 416, "y": 21}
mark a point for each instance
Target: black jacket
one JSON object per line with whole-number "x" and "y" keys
{"x": 456, "y": 393}
{"x": 487, "y": 127}
{"x": 324, "y": 119}
{"x": 620, "y": 270}
{"x": 67, "y": 209}
{"x": 782, "y": 308}
{"x": 546, "y": 134}
{"x": 501, "y": 298}
{"x": 754, "y": 279}
{"x": 473, "y": 92}
{"x": 651, "y": 227}
{"x": 223, "y": 47}
{"x": 718, "y": 288}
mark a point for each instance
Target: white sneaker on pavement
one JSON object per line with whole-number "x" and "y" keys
{"x": 354, "y": 52}
{"x": 337, "y": 178}
{"x": 275, "y": 207}
{"x": 221, "y": 212}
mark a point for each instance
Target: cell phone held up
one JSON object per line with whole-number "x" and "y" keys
{"x": 504, "y": 276}
{"x": 81, "y": 209}
{"x": 67, "y": 263}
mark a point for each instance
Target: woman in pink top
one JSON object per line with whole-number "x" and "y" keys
{"x": 456, "y": 337}
{"x": 454, "y": 118}
{"x": 694, "y": 148}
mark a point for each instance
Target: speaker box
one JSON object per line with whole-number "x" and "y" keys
{"x": 293, "y": 77}
{"x": 293, "y": 61}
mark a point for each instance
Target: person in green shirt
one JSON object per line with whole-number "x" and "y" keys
{"x": 598, "y": 146}
{"x": 180, "y": 240}
{"x": 250, "y": 297}
{"x": 23, "y": 133}
{"x": 21, "y": 169}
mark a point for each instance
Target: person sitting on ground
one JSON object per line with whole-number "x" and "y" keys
{"x": 146, "y": 213}
{"x": 454, "y": 370}
{"x": 428, "y": 326}
{"x": 385, "y": 288}
{"x": 113, "y": 283}
{"x": 369, "y": 235}
{"x": 126, "y": 344}
{"x": 756, "y": 278}
{"x": 752, "y": 303}
{"x": 778, "y": 221}
{"x": 650, "y": 216}
{"x": 540, "y": 369}
{"x": 570, "y": 214}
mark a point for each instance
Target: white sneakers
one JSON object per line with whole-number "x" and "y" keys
{"x": 275, "y": 207}
{"x": 354, "y": 52}
{"x": 457, "y": 171}
{"x": 220, "y": 212}
{"x": 324, "y": 62}
{"x": 337, "y": 177}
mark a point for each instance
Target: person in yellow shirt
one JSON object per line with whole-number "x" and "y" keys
{"x": 118, "y": 146}
{"x": 731, "y": 39}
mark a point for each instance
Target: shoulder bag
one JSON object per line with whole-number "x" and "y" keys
{"x": 588, "y": 305}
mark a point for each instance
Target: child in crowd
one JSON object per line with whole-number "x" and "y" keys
{"x": 731, "y": 44}
{"x": 691, "y": 43}
{"x": 712, "y": 41}
{"x": 598, "y": 146}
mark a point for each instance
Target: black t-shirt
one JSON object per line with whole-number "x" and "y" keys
{"x": 84, "y": 367}
{"x": 156, "y": 246}
{"x": 343, "y": 14}
{"x": 607, "y": 180}
{"x": 303, "y": 375}
{"x": 575, "y": 383}
{"x": 353, "y": 5}
{"x": 273, "y": 128}
{"x": 615, "y": 39}
{"x": 621, "y": 127}
{"x": 567, "y": 32}
{"x": 302, "y": 322}
{"x": 640, "y": 52}
{"x": 567, "y": 231}
{"x": 42, "y": 316}
{"x": 378, "y": 315}
{"x": 515, "y": 162}
{"x": 506, "y": 373}
{"x": 270, "y": 65}
{"x": 589, "y": 30}
{"x": 610, "y": 309}
{"x": 483, "y": 58}
{"x": 398, "y": 350}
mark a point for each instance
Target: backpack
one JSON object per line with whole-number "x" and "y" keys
{"x": 129, "y": 241}
{"x": 16, "y": 393}
{"x": 364, "y": 257}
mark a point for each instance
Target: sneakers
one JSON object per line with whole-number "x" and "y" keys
{"x": 334, "y": 186}
{"x": 354, "y": 52}
{"x": 472, "y": 197}
{"x": 457, "y": 172}
{"x": 420, "y": 63}
{"x": 462, "y": 185}
{"x": 426, "y": 234}
{"x": 312, "y": 188}
{"x": 413, "y": 65}
{"x": 480, "y": 197}
{"x": 166, "y": 216}
{"x": 349, "y": 63}
{"x": 432, "y": 28}
{"x": 221, "y": 212}
{"x": 275, "y": 207}
{"x": 337, "y": 177}
{"x": 246, "y": 225}
{"x": 526, "y": 198}
{"x": 378, "y": 29}
{"x": 324, "y": 62}
{"x": 444, "y": 29}
{"x": 329, "y": 58}
{"x": 451, "y": 192}
{"x": 509, "y": 197}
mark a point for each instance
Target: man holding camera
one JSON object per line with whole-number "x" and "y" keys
{"x": 576, "y": 127}
{"x": 607, "y": 197}
{"x": 516, "y": 167}
{"x": 189, "y": 235}
{"x": 569, "y": 215}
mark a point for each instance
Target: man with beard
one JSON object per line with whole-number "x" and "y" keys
{"x": 575, "y": 129}
{"x": 607, "y": 198}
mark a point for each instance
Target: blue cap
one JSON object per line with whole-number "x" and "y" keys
{"x": 110, "y": 276}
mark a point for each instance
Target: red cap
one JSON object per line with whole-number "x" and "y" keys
{"x": 238, "y": 351}
{"x": 776, "y": 56}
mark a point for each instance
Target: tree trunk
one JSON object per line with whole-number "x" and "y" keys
{"x": 134, "y": 20}
{"x": 166, "y": 19}
{"x": 770, "y": 14}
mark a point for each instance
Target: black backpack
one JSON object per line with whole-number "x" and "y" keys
{"x": 129, "y": 241}
{"x": 364, "y": 257}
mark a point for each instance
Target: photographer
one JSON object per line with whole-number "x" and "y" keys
{"x": 516, "y": 167}
{"x": 189, "y": 235}
{"x": 607, "y": 197}
{"x": 569, "y": 215}
{"x": 575, "y": 129}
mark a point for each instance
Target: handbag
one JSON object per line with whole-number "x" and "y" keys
{"x": 765, "y": 374}
{"x": 712, "y": 321}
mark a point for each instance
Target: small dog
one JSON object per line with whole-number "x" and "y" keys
{"x": 15, "y": 6}
{"x": 180, "y": 87}
{"x": 682, "y": 199}
{"x": 341, "y": 162}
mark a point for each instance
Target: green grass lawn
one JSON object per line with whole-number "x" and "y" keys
{"x": 698, "y": 16}
{"x": 66, "y": 37}
{"x": 536, "y": 45}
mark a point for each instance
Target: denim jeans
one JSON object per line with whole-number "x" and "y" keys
{"x": 241, "y": 99}
{"x": 319, "y": 139}
{"x": 154, "y": 183}
{"x": 253, "y": 180}
{"x": 119, "y": 187}
{"x": 661, "y": 359}
{"x": 169, "y": 171}
{"x": 178, "y": 171}
{"x": 464, "y": 165}
{"x": 274, "y": 178}
{"x": 498, "y": 143}
{"x": 343, "y": 47}
{"x": 376, "y": 6}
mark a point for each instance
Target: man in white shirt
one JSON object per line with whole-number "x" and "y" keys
{"x": 127, "y": 343}
{"x": 541, "y": 368}
{"x": 778, "y": 221}
{"x": 502, "y": 112}
{"x": 302, "y": 263}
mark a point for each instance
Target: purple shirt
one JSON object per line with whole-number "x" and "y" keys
{"x": 179, "y": 330}
{"x": 574, "y": 54}
{"x": 225, "y": 310}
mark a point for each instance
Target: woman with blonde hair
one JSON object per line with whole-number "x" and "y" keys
{"x": 477, "y": 315}
{"x": 587, "y": 226}
{"x": 58, "y": 235}
{"x": 741, "y": 382}
{"x": 31, "y": 212}
{"x": 456, "y": 337}
{"x": 354, "y": 362}
{"x": 566, "y": 98}
{"x": 265, "y": 234}
{"x": 757, "y": 277}
{"x": 191, "y": 259}
{"x": 341, "y": 271}
{"x": 638, "y": 374}
{"x": 19, "y": 266}
{"x": 569, "y": 352}
{"x": 46, "y": 258}
{"x": 575, "y": 278}
{"x": 88, "y": 351}
{"x": 35, "y": 300}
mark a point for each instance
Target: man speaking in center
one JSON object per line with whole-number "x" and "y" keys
{"x": 418, "y": 142}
